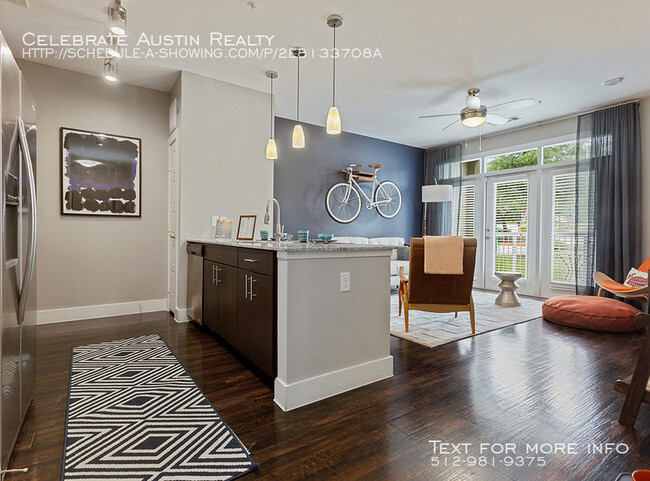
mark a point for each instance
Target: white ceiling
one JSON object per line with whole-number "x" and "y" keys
{"x": 557, "y": 51}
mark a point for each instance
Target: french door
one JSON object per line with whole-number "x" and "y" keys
{"x": 511, "y": 232}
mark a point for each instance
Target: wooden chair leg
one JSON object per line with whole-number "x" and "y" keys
{"x": 637, "y": 388}
{"x": 602, "y": 292}
{"x": 406, "y": 316}
{"x": 472, "y": 317}
{"x": 455, "y": 314}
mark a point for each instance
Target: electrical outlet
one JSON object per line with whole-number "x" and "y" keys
{"x": 215, "y": 220}
{"x": 345, "y": 281}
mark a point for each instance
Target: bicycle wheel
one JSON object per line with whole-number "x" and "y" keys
{"x": 343, "y": 203}
{"x": 388, "y": 199}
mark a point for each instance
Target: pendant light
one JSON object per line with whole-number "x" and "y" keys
{"x": 271, "y": 148}
{"x": 333, "y": 116}
{"x": 117, "y": 18}
{"x": 110, "y": 69}
{"x": 113, "y": 49}
{"x": 298, "y": 137}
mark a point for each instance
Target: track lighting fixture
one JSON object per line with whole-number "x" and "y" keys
{"x": 110, "y": 69}
{"x": 117, "y": 18}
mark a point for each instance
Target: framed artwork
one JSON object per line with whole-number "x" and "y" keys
{"x": 101, "y": 174}
{"x": 246, "y": 228}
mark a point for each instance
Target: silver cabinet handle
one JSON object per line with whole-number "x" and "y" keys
{"x": 251, "y": 290}
{"x": 246, "y": 287}
{"x": 248, "y": 259}
{"x": 215, "y": 275}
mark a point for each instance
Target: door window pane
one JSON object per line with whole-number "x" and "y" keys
{"x": 510, "y": 226}
{"x": 464, "y": 211}
{"x": 514, "y": 160}
{"x": 566, "y": 259}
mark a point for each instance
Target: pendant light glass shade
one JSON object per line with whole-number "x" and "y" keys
{"x": 113, "y": 49}
{"x": 298, "y": 138}
{"x": 271, "y": 147}
{"x": 271, "y": 150}
{"x": 333, "y": 121}
{"x": 333, "y": 116}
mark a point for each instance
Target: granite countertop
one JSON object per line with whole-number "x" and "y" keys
{"x": 294, "y": 246}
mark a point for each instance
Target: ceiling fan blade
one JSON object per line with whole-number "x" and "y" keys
{"x": 495, "y": 119}
{"x": 439, "y": 115}
{"x": 453, "y": 123}
{"x": 515, "y": 104}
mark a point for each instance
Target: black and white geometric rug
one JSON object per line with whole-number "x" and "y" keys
{"x": 135, "y": 414}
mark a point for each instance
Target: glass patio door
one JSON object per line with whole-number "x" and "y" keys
{"x": 510, "y": 230}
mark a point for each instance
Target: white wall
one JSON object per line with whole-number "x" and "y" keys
{"x": 223, "y": 169}
{"x": 115, "y": 262}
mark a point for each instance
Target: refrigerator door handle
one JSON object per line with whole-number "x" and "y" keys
{"x": 31, "y": 241}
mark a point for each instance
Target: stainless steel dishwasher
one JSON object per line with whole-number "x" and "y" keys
{"x": 195, "y": 282}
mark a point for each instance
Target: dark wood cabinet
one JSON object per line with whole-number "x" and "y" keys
{"x": 239, "y": 303}
{"x": 255, "y": 316}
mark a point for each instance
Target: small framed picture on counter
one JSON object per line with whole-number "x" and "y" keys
{"x": 246, "y": 229}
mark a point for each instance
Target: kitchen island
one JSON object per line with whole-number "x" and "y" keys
{"x": 330, "y": 332}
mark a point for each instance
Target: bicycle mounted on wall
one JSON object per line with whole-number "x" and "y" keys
{"x": 343, "y": 199}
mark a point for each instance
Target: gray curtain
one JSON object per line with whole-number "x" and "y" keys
{"x": 608, "y": 209}
{"x": 443, "y": 165}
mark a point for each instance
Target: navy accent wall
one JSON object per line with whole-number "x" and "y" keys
{"x": 302, "y": 177}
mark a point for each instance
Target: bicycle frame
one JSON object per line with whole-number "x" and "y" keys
{"x": 370, "y": 204}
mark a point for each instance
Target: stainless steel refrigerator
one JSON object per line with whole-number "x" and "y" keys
{"x": 18, "y": 251}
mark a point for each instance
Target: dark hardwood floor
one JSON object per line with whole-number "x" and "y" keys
{"x": 530, "y": 383}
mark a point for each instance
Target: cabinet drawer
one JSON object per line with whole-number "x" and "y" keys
{"x": 256, "y": 260}
{"x": 223, "y": 254}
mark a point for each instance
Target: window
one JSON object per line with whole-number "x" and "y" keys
{"x": 565, "y": 152}
{"x": 471, "y": 167}
{"x": 514, "y": 160}
{"x": 510, "y": 226}
{"x": 466, "y": 211}
{"x": 564, "y": 259}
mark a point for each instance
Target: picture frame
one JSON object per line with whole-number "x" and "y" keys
{"x": 100, "y": 174}
{"x": 246, "y": 227}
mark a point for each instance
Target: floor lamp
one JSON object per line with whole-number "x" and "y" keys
{"x": 435, "y": 193}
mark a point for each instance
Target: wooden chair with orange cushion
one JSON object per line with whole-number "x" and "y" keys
{"x": 607, "y": 284}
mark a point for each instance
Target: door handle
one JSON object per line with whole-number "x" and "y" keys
{"x": 172, "y": 236}
{"x": 246, "y": 287}
{"x": 31, "y": 241}
{"x": 216, "y": 275}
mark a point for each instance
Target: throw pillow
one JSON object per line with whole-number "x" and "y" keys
{"x": 636, "y": 278}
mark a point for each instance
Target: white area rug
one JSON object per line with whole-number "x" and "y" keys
{"x": 432, "y": 329}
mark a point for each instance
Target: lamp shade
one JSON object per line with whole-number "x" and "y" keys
{"x": 437, "y": 193}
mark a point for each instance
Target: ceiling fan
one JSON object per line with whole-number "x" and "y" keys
{"x": 475, "y": 113}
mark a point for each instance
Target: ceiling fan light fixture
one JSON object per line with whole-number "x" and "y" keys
{"x": 473, "y": 117}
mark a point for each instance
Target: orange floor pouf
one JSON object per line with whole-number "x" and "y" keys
{"x": 590, "y": 312}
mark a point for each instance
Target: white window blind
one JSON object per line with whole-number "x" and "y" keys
{"x": 464, "y": 210}
{"x": 565, "y": 256}
{"x": 510, "y": 226}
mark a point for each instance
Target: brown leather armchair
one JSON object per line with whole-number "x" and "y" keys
{"x": 437, "y": 293}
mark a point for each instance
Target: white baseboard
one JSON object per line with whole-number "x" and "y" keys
{"x": 298, "y": 394}
{"x": 103, "y": 310}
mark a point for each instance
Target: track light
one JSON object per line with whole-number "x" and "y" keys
{"x": 117, "y": 18}
{"x": 110, "y": 69}
{"x": 113, "y": 49}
